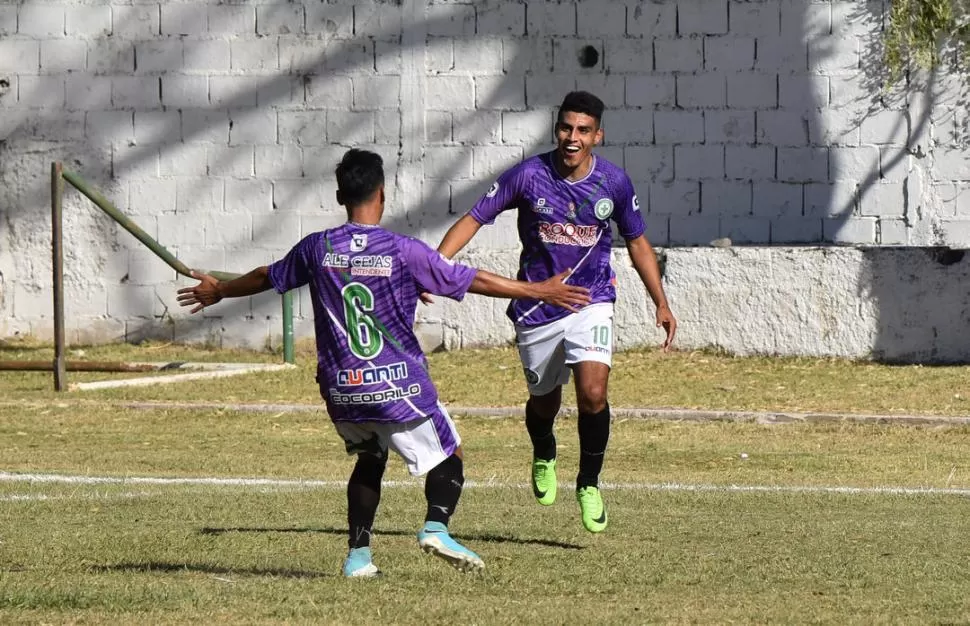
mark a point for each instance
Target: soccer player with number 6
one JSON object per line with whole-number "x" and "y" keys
{"x": 364, "y": 284}
{"x": 566, "y": 200}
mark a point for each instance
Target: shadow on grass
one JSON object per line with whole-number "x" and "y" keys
{"x": 154, "y": 566}
{"x": 486, "y": 537}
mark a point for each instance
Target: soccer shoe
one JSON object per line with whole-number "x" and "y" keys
{"x": 434, "y": 539}
{"x": 591, "y": 506}
{"x": 358, "y": 564}
{"x": 544, "y": 481}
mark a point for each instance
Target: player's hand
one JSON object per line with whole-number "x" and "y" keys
{"x": 206, "y": 293}
{"x": 666, "y": 320}
{"x": 554, "y": 290}
{"x": 426, "y": 298}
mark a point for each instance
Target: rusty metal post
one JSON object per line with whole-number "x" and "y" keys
{"x": 57, "y": 253}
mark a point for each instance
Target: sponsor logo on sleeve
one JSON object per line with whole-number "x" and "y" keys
{"x": 636, "y": 203}
{"x": 492, "y": 190}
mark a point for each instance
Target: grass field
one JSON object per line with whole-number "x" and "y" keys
{"x": 701, "y": 380}
{"x": 110, "y": 514}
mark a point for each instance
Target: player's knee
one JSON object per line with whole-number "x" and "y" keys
{"x": 455, "y": 466}
{"x": 371, "y": 465}
{"x": 451, "y": 470}
{"x": 591, "y": 398}
{"x": 544, "y": 407}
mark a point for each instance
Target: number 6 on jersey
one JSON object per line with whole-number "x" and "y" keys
{"x": 363, "y": 337}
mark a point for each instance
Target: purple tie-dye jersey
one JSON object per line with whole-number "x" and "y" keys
{"x": 364, "y": 285}
{"x": 563, "y": 224}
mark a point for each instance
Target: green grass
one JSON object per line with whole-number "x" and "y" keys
{"x": 201, "y": 554}
{"x": 493, "y": 377}
{"x": 185, "y": 554}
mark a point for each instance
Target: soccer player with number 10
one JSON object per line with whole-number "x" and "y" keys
{"x": 566, "y": 200}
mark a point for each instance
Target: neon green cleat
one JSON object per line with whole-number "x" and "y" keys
{"x": 544, "y": 481}
{"x": 591, "y": 506}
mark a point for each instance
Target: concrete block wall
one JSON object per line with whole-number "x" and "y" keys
{"x": 216, "y": 126}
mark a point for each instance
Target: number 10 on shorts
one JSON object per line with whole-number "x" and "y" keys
{"x": 601, "y": 336}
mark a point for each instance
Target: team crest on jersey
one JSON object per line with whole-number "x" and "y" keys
{"x": 603, "y": 208}
{"x": 571, "y": 211}
{"x": 358, "y": 241}
{"x": 492, "y": 190}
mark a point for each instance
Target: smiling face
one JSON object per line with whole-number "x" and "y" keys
{"x": 576, "y": 134}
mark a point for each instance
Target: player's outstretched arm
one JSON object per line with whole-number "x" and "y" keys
{"x": 458, "y": 236}
{"x": 551, "y": 291}
{"x": 210, "y": 291}
{"x": 645, "y": 262}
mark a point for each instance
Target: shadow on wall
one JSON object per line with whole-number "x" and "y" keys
{"x": 131, "y": 117}
{"x": 726, "y": 115}
{"x": 923, "y": 304}
{"x": 918, "y": 287}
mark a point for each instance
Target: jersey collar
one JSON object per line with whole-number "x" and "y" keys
{"x": 556, "y": 174}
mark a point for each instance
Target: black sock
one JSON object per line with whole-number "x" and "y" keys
{"x": 594, "y": 433}
{"x": 363, "y": 496}
{"x": 442, "y": 488}
{"x": 540, "y": 432}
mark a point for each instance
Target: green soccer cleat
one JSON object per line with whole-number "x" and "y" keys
{"x": 591, "y": 506}
{"x": 544, "y": 481}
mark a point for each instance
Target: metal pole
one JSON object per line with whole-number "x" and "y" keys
{"x": 105, "y": 205}
{"x": 288, "y": 353}
{"x": 128, "y": 224}
{"x": 57, "y": 254}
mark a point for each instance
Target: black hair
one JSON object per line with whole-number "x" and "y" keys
{"x": 359, "y": 174}
{"x": 582, "y": 102}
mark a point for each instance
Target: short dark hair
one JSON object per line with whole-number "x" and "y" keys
{"x": 582, "y": 102}
{"x": 359, "y": 174}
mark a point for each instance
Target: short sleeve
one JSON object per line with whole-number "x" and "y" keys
{"x": 627, "y": 214}
{"x": 501, "y": 196}
{"x": 293, "y": 270}
{"x": 434, "y": 273}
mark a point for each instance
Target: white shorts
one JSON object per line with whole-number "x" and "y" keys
{"x": 422, "y": 443}
{"x": 547, "y": 351}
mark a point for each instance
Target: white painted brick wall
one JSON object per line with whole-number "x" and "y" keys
{"x": 218, "y": 125}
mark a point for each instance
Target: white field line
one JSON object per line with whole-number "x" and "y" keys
{"x": 273, "y": 484}
{"x": 618, "y": 413}
{"x": 177, "y": 378}
{"x": 34, "y": 497}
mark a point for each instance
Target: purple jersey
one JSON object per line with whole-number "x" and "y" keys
{"x": 563, "y": 224}
{"x": 364, "y": 285}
